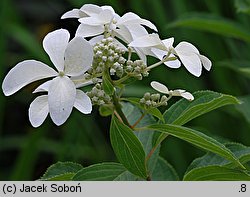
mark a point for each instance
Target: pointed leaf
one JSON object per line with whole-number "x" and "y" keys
{"x": 198, "y": 139}
{"x": 128, "y": 148}
{"x": 184, "y": 111}
{"x": 100, "y": 172}
{"x": 244, "y": 108}
{"x": 133, "y": 113}
{"x": 204, "y": 101}
{"x": 240, "y": 151}
{"x": 61, "y": 171}
{"x": 216, "y": 173}
{"x": 214, "y": 24}
{"x": 164, "y": 171}
{"x": 107, "y": 84}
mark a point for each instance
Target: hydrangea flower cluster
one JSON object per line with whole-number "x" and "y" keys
{"x": 101, "y": 54}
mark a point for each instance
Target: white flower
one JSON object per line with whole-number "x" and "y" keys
{"x": 96, "y": 20}
{"x": 163, "y": 89}
{"x": 187, "y": 53}
{"x": 71, "y": 59}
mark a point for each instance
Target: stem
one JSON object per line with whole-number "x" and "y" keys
{"x": 119, "y": 81}
{"x": 138, "y": 121}
{"x": 155, "y": 65}
{"x": 129, "y": 53}
{"x": 118, "y": 111}
{"x": 165, "y": 59}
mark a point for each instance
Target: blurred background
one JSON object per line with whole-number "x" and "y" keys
{"x": 220, "y": 29}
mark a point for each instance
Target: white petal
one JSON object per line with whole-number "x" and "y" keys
{"x": 168, "y": 42}
{"x": 103, "y": 18}
{"x": 173, "y": 64}
{"x": 75, "y": 13}
{"x": 141, "y": 55}
{"x": 137, "y": 31}
{"x": 159, "y": 87}
{"x": 186, "y": 47}
{"x": 205, "y": 62}
{"x": 38, "y": 110}
{"x": 91, "y": 21}
{"x": 177, "y": 92}
{"x": 95, "y": 39}
{"x": 148, "y": 24}
{"x": 108, "y": 7}
{"x": 24, "y": 73}
{"x": 89, "y": 30}
{"x": 150, "y": 40}
{"x": 132, "y": 18}
{"x": 183, "y": 93}
{"x": 126, "y": 18}
{"x": 43, "y": 87}
{"x": 83, "y": 102}
{"x": 158, "y": 53}
{"x": 91, "y": 9}
{"x": 106, "y": 16}
{"x": 191, "y": 61}
{"x": 124, "y": 34}
{"x": 55, "y": 44}
{"x": 61, "y": 97}
{"x": 187, "y": 96}
{"x": 78, "y": 57}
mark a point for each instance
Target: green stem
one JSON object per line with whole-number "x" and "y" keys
{"x": 119, "y": 81}
{"x": 165, "y": 59}
{"x": 129, "y": 53}
{"x": 119, "y": 111}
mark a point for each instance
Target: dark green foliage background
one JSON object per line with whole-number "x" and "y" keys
{"x": 219, "y": 28}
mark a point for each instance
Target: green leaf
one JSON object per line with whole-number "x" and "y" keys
{"x": 243, "y": 6}
{"x": 198, "y": 139}
{"x": 106, "y": 110}
{"x": 214, "y": 24}
{"x": 126, "y": 176}
{"x": 100, "y": 172}
{"x": 133, "y": 113}
{"x": 216, "y": 173}
{"x": 164, "y": 171}
{"x": 210, "y": 159}
{"x": 240, "y": 66}
{"x": 107, "y": 84}
{"x": 244, "y": 108}
{"x": 153, "y": 111}
{"x": 204, "y": 101}
{"x": 61, "y": 171}
{"x": 128, "y": 148}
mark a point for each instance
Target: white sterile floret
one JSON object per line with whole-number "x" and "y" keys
{"x": 163, "y": 89}
{"x": 71, "y": 59}
{"x": 97, "y": 20}
{"x": 187, "y": 53}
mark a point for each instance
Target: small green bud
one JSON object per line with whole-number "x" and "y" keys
{"x": 142, "y": 101}
{"x": 147, "y": 96}
{"x": 148, "y": 103}
{"x": 155, "y": 97}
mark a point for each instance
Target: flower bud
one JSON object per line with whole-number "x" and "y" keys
{"x": 147, "y": 96}
{"x": 155, "y": 97}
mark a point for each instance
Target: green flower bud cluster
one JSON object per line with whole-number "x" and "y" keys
{"x": 153, "y": 100}
{"x": 136, "y": 68}
{"x": 98, "y": 96}
{"x": 107, "y": 53}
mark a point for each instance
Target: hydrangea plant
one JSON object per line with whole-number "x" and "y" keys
{"x": 107, "y": 53}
